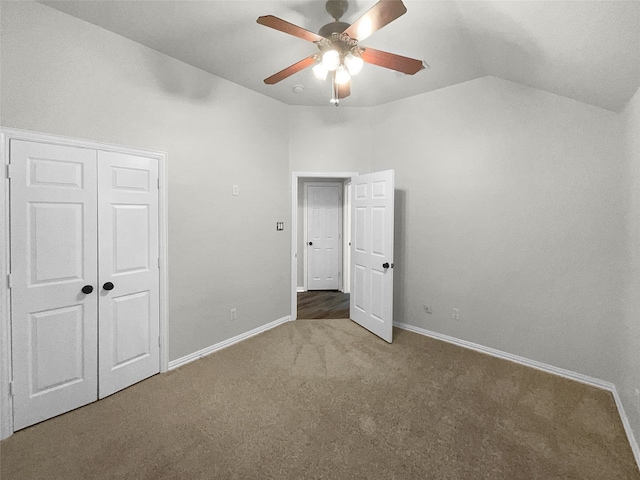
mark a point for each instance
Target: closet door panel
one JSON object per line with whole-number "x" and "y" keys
{"x": 129, "y": 274}
{"x": 53, "y": 256}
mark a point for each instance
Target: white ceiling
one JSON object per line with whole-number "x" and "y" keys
{"x": 585, "y": 50}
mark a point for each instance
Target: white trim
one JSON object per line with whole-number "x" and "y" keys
{"x": 7, "y": 134}
{"x": 294, "y": 227}
{"x": 346, "y": 237}
{"x": 301, "y": 290}
{"x": 305, "y": 232}
{"x": 578, "y": 377}
{"x": 163, "y": 226}
{"x": 6, "y": 406}
{"x": 509, "y": 356}
{"x": 627, "y": 426}
{"x": 226, "y": 343}
{"x": 16, "y": 134}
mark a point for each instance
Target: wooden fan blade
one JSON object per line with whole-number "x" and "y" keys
{"x": 286, "y": 27}
{"x": 391, "y": 60}
{"x": 344, "y": 90}
{"x": 381, "y": 14}
{"x": 287, "y": 72}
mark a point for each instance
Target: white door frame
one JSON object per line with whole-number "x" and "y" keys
{"x": 305, "y": 231}
{"x": 7, "y": 134}
{"x": 294, "y": 227}
{"x": 346, "y": 241}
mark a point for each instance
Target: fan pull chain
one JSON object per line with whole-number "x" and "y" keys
{"x": 334, "y": 90}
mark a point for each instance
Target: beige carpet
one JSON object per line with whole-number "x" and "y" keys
{"x": 326, "y": 399}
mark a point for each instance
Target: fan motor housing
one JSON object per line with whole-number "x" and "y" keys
{"x": 337, "y": 8}
{"x": 333, "y": 27}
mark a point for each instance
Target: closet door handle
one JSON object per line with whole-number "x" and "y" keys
{"x": 108, "y": 286}
{"x": 87, "y": 289}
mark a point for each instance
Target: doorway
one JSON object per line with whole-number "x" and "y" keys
{"x": 323, "y": 231}
{"x": 316, "y": 303}
{"x": 371, "y": 263}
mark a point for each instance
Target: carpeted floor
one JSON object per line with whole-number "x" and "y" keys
{"x": 326, "y": 399}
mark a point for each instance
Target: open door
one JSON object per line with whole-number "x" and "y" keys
{"x": 372, "y": 252}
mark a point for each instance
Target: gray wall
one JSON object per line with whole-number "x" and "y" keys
{"x": 627, "y": 377}
{"x": 510, "y": 210}
{"x": 329, "y": 139}
{"x": 64, "y": 76}
{"x": 326, "y": 139}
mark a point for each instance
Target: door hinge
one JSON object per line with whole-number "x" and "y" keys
{"x": 158, "y": 182}
{"x": 8, "y": 170}
{"x": 11, "y": 389}
{"x": 158, "y": 262}
{"x": 9, "y": 284}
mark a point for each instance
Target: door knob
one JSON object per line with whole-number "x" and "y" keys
{"x": 108, "y": 286}
{"x": 385, "y": 265}
{"x": 87, "y": 289}
{"x": 310, "y": 243}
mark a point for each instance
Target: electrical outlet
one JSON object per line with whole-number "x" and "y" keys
{"x": 234, "y": 314}
{"x": 427, "y": 308}
{"x": 455, "y": 314}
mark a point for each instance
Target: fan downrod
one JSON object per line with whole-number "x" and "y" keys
{"x": 335, "y": 8}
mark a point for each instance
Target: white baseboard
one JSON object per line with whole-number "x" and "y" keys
{"x": 301, "y": 289}
{"x": 596, "y": 382}
{"x": 225, "y": 343}
{"x": 579, "y": 377}
{"x": 627, "y": 426}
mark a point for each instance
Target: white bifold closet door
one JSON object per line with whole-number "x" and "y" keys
{"x": 128, "y": 326}
{"x": 81, "y": 218}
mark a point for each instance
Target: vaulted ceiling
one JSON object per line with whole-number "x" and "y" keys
{"x": 585, "y": 50}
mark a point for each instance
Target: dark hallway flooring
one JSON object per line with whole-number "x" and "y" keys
{"x": 323, "y": 304}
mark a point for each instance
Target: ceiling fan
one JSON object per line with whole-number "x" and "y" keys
{"x": 340, "y": 53}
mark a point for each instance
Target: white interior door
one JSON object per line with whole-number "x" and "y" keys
{"x": 371, "y": 302}
{"x": 129, "y": 277}
{"x": 53, "y": 256}
{"x": 324, "y": 228}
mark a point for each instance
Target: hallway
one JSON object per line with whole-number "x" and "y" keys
{"x": 323, "y": 304}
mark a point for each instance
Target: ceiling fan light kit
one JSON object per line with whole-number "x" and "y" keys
{"x": 320, "y": 71}
{"x": 331, "y": 60}
{"x": 340, "y": 53}
{"x": 354, "y": 63}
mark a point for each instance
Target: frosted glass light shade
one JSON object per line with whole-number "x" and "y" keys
{"x": 320, "y": 71}
{"x": 331, "y": 60}
{"x": 342, "y": 75}
{"x": 353, "y": 63}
